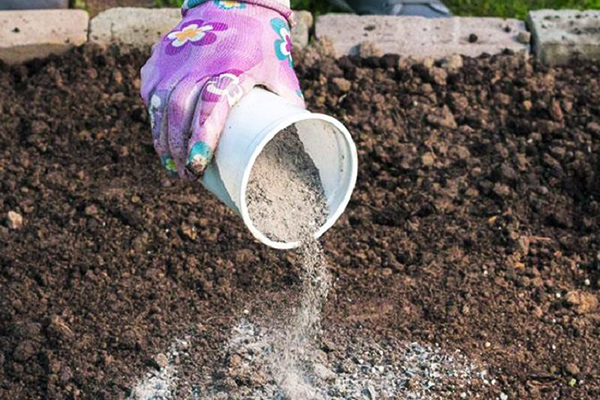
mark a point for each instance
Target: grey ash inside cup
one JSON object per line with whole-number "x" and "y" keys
{"x": 285, "y": 197}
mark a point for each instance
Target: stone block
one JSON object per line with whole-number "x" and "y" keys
{"x": 38, "y": 33}
{"x": 559, "y": 36}
{"x": 142, "y": 27}
{"x": 419, "y": 37}
{"x": 138, "y": 27}
{"x": 301, "y": 29}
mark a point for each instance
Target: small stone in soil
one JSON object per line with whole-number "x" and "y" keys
{"x": 15, "y": 220}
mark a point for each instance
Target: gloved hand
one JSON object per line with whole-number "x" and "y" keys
{"x": 197, "y": 72}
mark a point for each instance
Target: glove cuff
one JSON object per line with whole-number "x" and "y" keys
{"x": 275, "y": 5}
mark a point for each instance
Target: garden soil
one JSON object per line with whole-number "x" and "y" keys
{"x": 473, "y": 228}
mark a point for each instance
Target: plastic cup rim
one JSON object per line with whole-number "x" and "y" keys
{"x": 273, "y": 131}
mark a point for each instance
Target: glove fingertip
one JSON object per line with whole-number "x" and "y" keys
{"x": 200, "y": 155}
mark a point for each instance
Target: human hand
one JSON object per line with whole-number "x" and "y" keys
{"x": 218, "y": 53}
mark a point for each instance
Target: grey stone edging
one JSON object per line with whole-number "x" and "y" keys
{"x": 38, "y": 33}
{"x": 556, "y": 36}
{"x": 559, "y": 36}
{"x": 33, "y": 4}
{"x": 142, "y": 27}
{"x": 421, "y": 38}
{"x": 138, "y": 27}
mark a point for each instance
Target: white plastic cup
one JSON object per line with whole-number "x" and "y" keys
{"x": 252, "y": 123}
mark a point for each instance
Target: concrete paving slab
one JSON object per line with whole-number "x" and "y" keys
{"x": 136, "y": 26}
{"x": 559, "y": 36}
{"x": 300, "y": 31}
{"x": 38, "y": 33}
{"x": 142, "y": 27}
{"x": 421, "y": 38}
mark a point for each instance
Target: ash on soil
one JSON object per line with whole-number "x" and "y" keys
{"x": 474, "y": 225}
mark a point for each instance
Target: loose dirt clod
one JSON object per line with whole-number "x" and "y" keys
{"x": 15, "y": 220}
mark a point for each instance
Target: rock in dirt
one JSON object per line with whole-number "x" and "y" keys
{"x": 427, "y": 159}
{"x": 15, "y": 220}
{"x": 443, "y": 118}
{"x": 453, "y": 63}
{"x": 59, "y": 328}
{"x": 324, "y": 373}
{"x": 348, "y": 366}
{"x": 582, "y": 302}
{"x": 572, "y": 369}
{"x": 594, "y": 127}
{"x": 369, "y": 49}
{"x": 341, "y": 84}
{"x": 91, "y": 210}
{"x": 438, "y": 75}
{"x": 161, "y": 360}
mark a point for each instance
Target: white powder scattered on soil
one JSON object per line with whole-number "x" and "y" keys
{"x": 358, "y": 368}
{"x": 160, "y": 384}
{"x": 283, "y": 359}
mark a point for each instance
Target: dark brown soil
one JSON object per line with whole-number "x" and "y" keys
{"x": 474, "y": 225}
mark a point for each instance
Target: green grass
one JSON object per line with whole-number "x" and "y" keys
{"x": 514, "y": 8}
{"x": 168, "y": 3}
{"x": 480, "y": 8}
{"x": 317, "y": 7}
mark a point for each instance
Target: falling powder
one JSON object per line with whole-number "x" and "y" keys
{"x": 287, "y": 203}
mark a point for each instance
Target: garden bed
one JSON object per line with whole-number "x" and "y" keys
{"x": 473, "y": 227}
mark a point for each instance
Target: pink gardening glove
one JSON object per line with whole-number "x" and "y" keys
{"x": 197, "y": 72}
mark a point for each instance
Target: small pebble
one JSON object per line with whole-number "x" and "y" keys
{"x": 427, "y": 160}
{"x": 161, "y": 360}
{"x": 524, "y": 37}
{"x": 572, "y": 382}
{"x": 15, "y": 220}
{"x": 572, "y": 369}
{"x": 324, "y": 373}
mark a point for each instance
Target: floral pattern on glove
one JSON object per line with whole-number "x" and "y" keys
{"x": 283, "y": 45}
{"x": 203, "y": 67}
{"x": 187, "y": 4}
{"x": 229, "y": 5}
{"x": 195, "y": 32}
{"x": 228, "y": 84}
{"x": 170, "y": 165}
